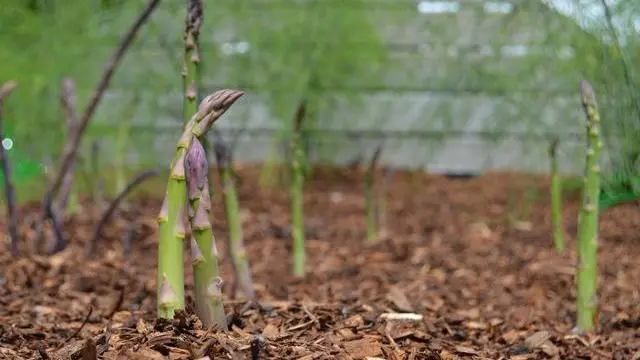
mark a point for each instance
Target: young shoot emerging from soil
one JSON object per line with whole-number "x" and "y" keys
{"x": 556, "y": 196}
{"x": 373, "y": 227}
{"x": 205, "y": 259}
{"x": 172, "y": 217}
{"x": 237, "y": 251}
{"x": 587, "y": 274}
{"x": 298, "y": 170}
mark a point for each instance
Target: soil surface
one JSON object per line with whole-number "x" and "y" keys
{"x": 471, "y": 257}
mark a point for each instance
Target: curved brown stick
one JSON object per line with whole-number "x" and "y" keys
{"x": 12, "y": 211}
{"x": 71, "y": 148}
{"x": 92, "y": 244}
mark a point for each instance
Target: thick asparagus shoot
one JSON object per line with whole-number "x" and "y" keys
{"x": 587, "y": 236}
{"x": 170, "y": 281}
{"x": 556, "y": 197}
{"x": 206, "y": 272}
{"x": 237, "y": 251}
{"x": 170, "y": 272}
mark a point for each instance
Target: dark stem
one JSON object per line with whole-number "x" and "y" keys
{"x": 75, "y": 333}
{"x": 91, "y": 245}
{"x": 127, "y": 243}
{"x": 60, "y": 241}
{"x": 10, "y": 194}
{"x": 375, "y": 157}
{"x": 71, "y": 148}
{"x": 553, "y": 146}
{"x": 221, "y": 150}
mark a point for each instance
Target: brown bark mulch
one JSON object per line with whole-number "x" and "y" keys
{"x": 473, "y": 257}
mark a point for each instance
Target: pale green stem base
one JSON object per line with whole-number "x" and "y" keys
{"x": 297, "y": 212}
{"x": 170, "y": 250}
{"x": 207, "y": 281}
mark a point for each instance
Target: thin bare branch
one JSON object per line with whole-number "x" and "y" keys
{"x": 70, "y": 150}
{"x": 376, "y": 157}
{"x": 60, "y": 241}
{"x": 92, "y": 244}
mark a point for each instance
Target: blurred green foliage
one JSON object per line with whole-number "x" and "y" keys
{"x": 336, "y": 55}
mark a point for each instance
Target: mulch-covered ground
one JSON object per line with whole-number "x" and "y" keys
{"x": 472, "y": 257}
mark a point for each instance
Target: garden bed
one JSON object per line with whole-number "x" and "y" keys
{"x": 472, "y": 257}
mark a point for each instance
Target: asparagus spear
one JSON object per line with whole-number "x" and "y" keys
{"x": 237, "y": 250}
{"x": 587, "y": 278}
{"x": 191, "y": 63}
{"x": 372, "y": 223}
{"x": 297, "y": 193}
{"x": 170, "y": 274}
{"x": 206, "y": 272}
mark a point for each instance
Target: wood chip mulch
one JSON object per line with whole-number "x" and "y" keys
{"x": 471, "y": 259}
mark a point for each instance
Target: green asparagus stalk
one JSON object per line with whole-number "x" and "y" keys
{"x": 370, "y": 206}
{"x": 171, "y": 220}
{"x": 206, "y": 271}
{"x": 237, "y": 251}
{"x": 191, "y": 57}
{"x": 297, "y": 193}
{"x": 587, "y": 272}
{"x": 556, "y": 197}
{"x": 191, "y": 64}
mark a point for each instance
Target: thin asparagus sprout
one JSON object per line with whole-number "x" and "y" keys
{"x": 297, "y": 194}
{"x": 370, "y": 204}
{"x": 237, "y": 250}
{"x": 556, "y": 197}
